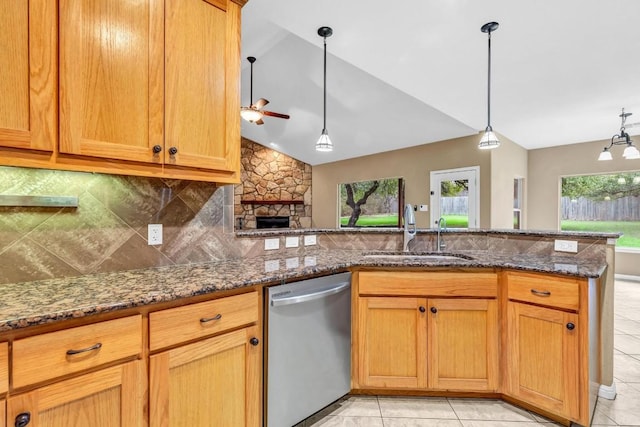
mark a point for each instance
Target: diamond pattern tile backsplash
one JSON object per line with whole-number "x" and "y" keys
{"x": 108, "y": 230}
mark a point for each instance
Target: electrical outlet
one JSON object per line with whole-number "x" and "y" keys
{"x": 566, "y": 246}
{"x": 291, "y": 242}
{"x": 292, "y": 262}
{"x": 271, "y": 244}
{"x": 154, "y": 234}
{"x": 310, "y": 240}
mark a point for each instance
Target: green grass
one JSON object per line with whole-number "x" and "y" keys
{"x": 631, "y": 230}
{"x": 456, "y": 221}
{"x": 373, "y": 221}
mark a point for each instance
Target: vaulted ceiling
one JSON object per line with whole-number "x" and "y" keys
{"x": 411, "y": 72}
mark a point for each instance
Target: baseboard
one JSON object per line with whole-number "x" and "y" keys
{"x": 628, "y": 277}
{"x": 607, "y": 391}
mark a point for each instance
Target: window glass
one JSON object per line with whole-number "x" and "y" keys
{"x": 606, "y": 203}
{"x": 375, "y": 203}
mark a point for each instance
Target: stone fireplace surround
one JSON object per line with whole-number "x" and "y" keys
{"x": 271, "y": 184}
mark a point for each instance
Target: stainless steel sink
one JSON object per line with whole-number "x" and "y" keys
{"x": 426, "y": 256}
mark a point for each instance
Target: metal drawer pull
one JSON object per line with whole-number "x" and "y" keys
{"x": 96, "y": 346}
{"x": 541, "y": 293}
{"x": 211, "y": 319}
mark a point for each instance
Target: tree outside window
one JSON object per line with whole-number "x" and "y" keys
{"x": 374, "y": 203}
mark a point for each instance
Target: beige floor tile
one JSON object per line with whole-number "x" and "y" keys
{"x": 626, "y": 326}
{"x": 600, "y": 419}
{"x": 628, "y": 344}
{"x": 340, "y": 421}
{"x": 626, "y": 368}
{"x": 419, "y": 407}
{"x": 490, "y": 423}
{"x": 420, "y": 422}
{"x": 488, "y": 409}
{"x": 625, "y": 408}
{"x": 358, "y": 406}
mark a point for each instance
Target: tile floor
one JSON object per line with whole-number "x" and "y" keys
{"x": 371, "y": 411}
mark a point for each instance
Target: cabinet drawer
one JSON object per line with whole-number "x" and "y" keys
{"x": 428, "y": 283}
{"x": 47, "y": 356}
{"x": 554, "y": 292}
{"x": 4, "y": 367}
{"x": 181, "y": 324}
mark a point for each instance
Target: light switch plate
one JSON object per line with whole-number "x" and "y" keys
{"x": 566, "y": 246}
{"x": 270, "y": 244}
{"x": 423, "y": 208}
{"x": 291, "y": 242}
{"x": 310, "y": 239}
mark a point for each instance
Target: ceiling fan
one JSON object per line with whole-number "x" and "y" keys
{"x": 254, "y": 112}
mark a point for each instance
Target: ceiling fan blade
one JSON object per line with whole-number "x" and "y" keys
{"x": 261, "y": 103}
{"x": 259, "y": 122}
{"x": 278, "y": 115}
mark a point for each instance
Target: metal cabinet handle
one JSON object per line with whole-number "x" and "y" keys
{"x": 211, "y": 319}
{"x": 571, "y": 326}
{"x": 254, "y": 341}
{"x": 422, "y": 309}
{"x": 22, "y": 419}
{"x": 434, "y": 310}
{"x": 96, "y": 346}
{"x": 157, "y": 149}
{"x": 541, "y": 293}
{"x": 173, "y": 150}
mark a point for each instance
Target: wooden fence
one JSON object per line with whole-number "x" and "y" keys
{"x": 582, "y": 209}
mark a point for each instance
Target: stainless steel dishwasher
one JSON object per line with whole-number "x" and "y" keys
{"x": 308, "y": 347}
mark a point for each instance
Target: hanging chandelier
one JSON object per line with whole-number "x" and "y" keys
{"x": 622, "y": 138}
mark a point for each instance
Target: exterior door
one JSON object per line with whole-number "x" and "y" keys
{"x": 455, "y": 195}
{"x": 210, "y": 383}
{"x": 393, "y": 342}
{"x": 543, "y": 358}
{"x": 111, "y": 397}
{"x": 463, "y": 344}
{"x": 28, "y": 84}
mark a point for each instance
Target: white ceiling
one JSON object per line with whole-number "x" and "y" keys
{"x": 411, "y": 72}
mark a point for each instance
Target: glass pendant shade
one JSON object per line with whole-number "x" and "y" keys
{"x": 489, "y": 140}
{"x": 631, "y": 152}
{"x": 605, "y": 155}
{"x": 324, "y": 142}
{"x": 250, "y": 115}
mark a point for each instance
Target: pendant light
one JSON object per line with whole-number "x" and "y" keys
{"x": 324, "y": 142}
{"x": 489, "y": 139}
{"x": 630, "y": 152}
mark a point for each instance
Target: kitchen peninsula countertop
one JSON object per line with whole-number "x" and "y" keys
{"x": 47, "y": 301}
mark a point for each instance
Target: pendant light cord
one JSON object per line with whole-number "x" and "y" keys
{"x": 489, "y": 85}
{"x": 251, "y": 88}
{"x": 324, "y": 125}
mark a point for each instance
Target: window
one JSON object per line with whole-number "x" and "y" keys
{"x": 518, "y": 185}
{"x": 603, "y": 203}
{"x": 375, "y": 203}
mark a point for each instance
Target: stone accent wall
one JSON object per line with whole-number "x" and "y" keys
{"x": 270, "y": 176}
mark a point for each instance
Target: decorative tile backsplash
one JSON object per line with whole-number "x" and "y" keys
{"x": 108, "y": 230}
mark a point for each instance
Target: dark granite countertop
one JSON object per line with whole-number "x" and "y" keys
{"x": 33, "y": 303}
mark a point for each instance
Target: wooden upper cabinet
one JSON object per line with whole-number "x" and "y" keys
{"x": 111, "y": 96}
{"x": 202, "y": 98}
{"x": 28, "y": 104}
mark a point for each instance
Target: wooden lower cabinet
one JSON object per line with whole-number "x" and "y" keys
{"x": 543, "y": 358}
{"x": 212, "y": 382}
{"x": 462, "y": 344}
{"x": 392, "y": 342}
{"x": 110, "y": 397}
{"x": 3, "y": 412}
{"x": 420, "y": 343}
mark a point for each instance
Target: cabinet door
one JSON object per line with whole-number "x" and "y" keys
{"x": 112, "y": 397}
{"x": 3, "y": 412}
{"x": 111, "y": 97}
{"x": 393, "y": 342}
{"x": 543, "y": 358}
{"x": 28, "y": 42}
{"x": 213, "y": 382}
{"x": 202, "y": 69}
{"x": 463, "y": 344}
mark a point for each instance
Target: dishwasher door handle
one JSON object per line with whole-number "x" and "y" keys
{"x": 298, "y": 298}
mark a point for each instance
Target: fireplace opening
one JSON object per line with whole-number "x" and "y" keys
{"x": 272, "y": 222}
